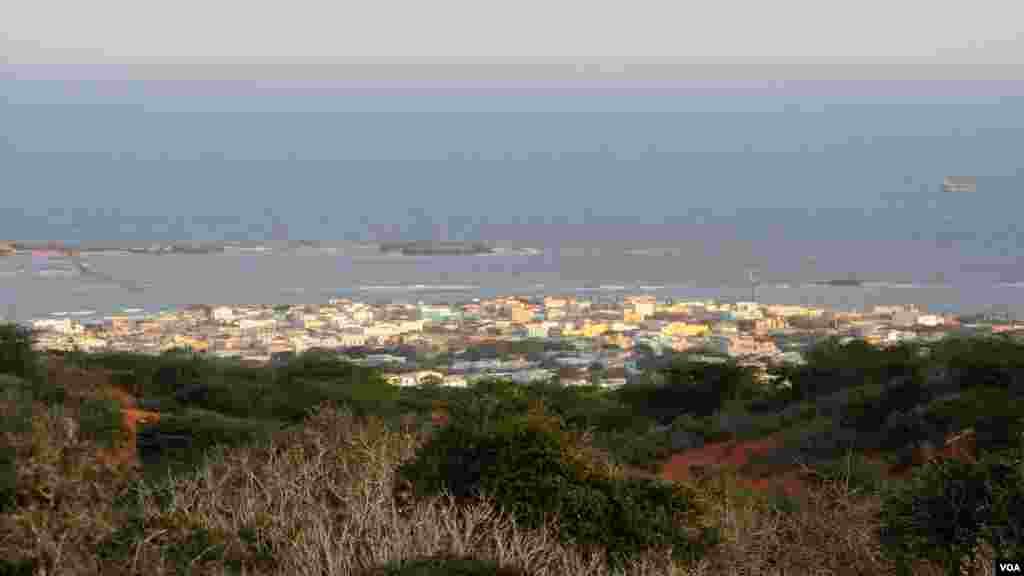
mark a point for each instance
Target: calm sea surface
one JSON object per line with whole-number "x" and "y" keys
{"x": 37, "y": 286}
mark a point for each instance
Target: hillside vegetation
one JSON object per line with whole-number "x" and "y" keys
{"x": 177, "y": 464}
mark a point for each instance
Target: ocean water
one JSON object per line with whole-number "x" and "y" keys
{"x": 151, "y": 282}
{"x": 673, "y": 194}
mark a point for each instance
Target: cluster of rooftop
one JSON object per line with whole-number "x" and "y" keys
{"x": 579, "y": 341}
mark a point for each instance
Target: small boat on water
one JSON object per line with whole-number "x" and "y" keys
{"x": 58, "y": 313}
{"x": 83, "y": 313}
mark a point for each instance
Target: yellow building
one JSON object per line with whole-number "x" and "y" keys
{"x": 195, "y": 344}
{"x": 684, "y": 329}
{"x": 770, "y": 323}
{"x": 571, "y": 329}
{"x": 521, "y": 315}
{"x": 619, "y": 339}
{"x": 631, "y": 316}
{"x": 593, "y": 330}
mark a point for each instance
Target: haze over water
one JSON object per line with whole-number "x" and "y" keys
{"x": 630, "y": 185}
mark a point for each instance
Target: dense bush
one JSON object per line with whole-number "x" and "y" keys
{"x": 16, "y": 396}
{"x": 911, "y": 428}
{"x": 983, "y": 362}
{"x": 950, "y": 506}
{"x": 832, "y": 366}
{"x": 179, "y": 442}
{"x": 18, "y": 568}
{"x": 17, "y": 356}
{"x": 994, "y": 414}
{"x": 859, "y": 474}
{"x": 99, "y": 421}
{"x": 696, "y": 388}
{"x": 818, "y": 441}
{"x": 530, "y": 466}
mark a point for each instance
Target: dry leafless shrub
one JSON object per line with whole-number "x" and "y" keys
{"x": 64, "y": 494}
{"x": 833, "y": 531}
{"x": 319, "y": 499}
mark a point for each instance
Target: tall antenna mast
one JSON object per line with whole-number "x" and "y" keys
{"x": 752, "y": 275}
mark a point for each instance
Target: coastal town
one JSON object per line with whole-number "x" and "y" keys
{"x": 574, "y": 340}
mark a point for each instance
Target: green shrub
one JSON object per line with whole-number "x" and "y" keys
{"x": 778, "y": 500}
{"x": 202, "y": 431}
{"x": 122, "y": 542}
{"x": 8, "y": 478}
{"x": 638, "y": 450}
{"x": 99, "y": 420}
{"x": 994, "y": 414}
{"x": 950, "y": 506}
{"x": 17, "y": 355}
{"x": 257, "y": 550}
{"x": 859, "y": 473}
{"x": 18, "y": 567}
{"x": 445, "y": 566}
{"x": 200, "y": 546}
{"x": 983, "y": 362}
{"x": 813, "y": 443}
{"x": 16, "y": 397}
{"x": 530, "y": 468}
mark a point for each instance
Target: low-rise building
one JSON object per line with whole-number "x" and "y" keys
{"x": 455, "y": 380}
{"x": 684, "y": 329}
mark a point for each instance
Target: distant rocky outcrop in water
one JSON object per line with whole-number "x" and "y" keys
{"x": 841, "y": 282}
{"x": 431, "y": 248}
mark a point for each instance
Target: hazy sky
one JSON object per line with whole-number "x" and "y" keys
{"x": 93, "y": 151}
{"x": 141, "y": 30}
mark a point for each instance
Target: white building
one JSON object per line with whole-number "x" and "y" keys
{"x": 62, "y": 326}
{"x": 362, "y": 315}
{"x": 383, "y": 330}
{"x": 351, "y": 338}
{"x": 248, "y": 324}
{"x": 411, "y": 326}
{"x": 223, "y": 314}
{"x": 527, "y": 376}
{"x": 644, "y": 308}
{"x": 930, "y": 320}
{"x": 423, "y": 375}
{"x": 404, "y": 380}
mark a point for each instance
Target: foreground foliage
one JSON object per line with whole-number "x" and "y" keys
{"x": 530, "y": 467}
{"x": 446, "y": 567}
{"x": 952, "y": 507}
{"x": 292, "y": 469}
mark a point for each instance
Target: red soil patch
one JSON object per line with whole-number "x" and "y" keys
{"x": 732, "y": 455}
{"x": 131, "y": 417}
{"x": 729, "y": 454}
{"x": 97, "y": 381}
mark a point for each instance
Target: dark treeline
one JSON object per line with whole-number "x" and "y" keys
{"x": 846, "y": 396}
